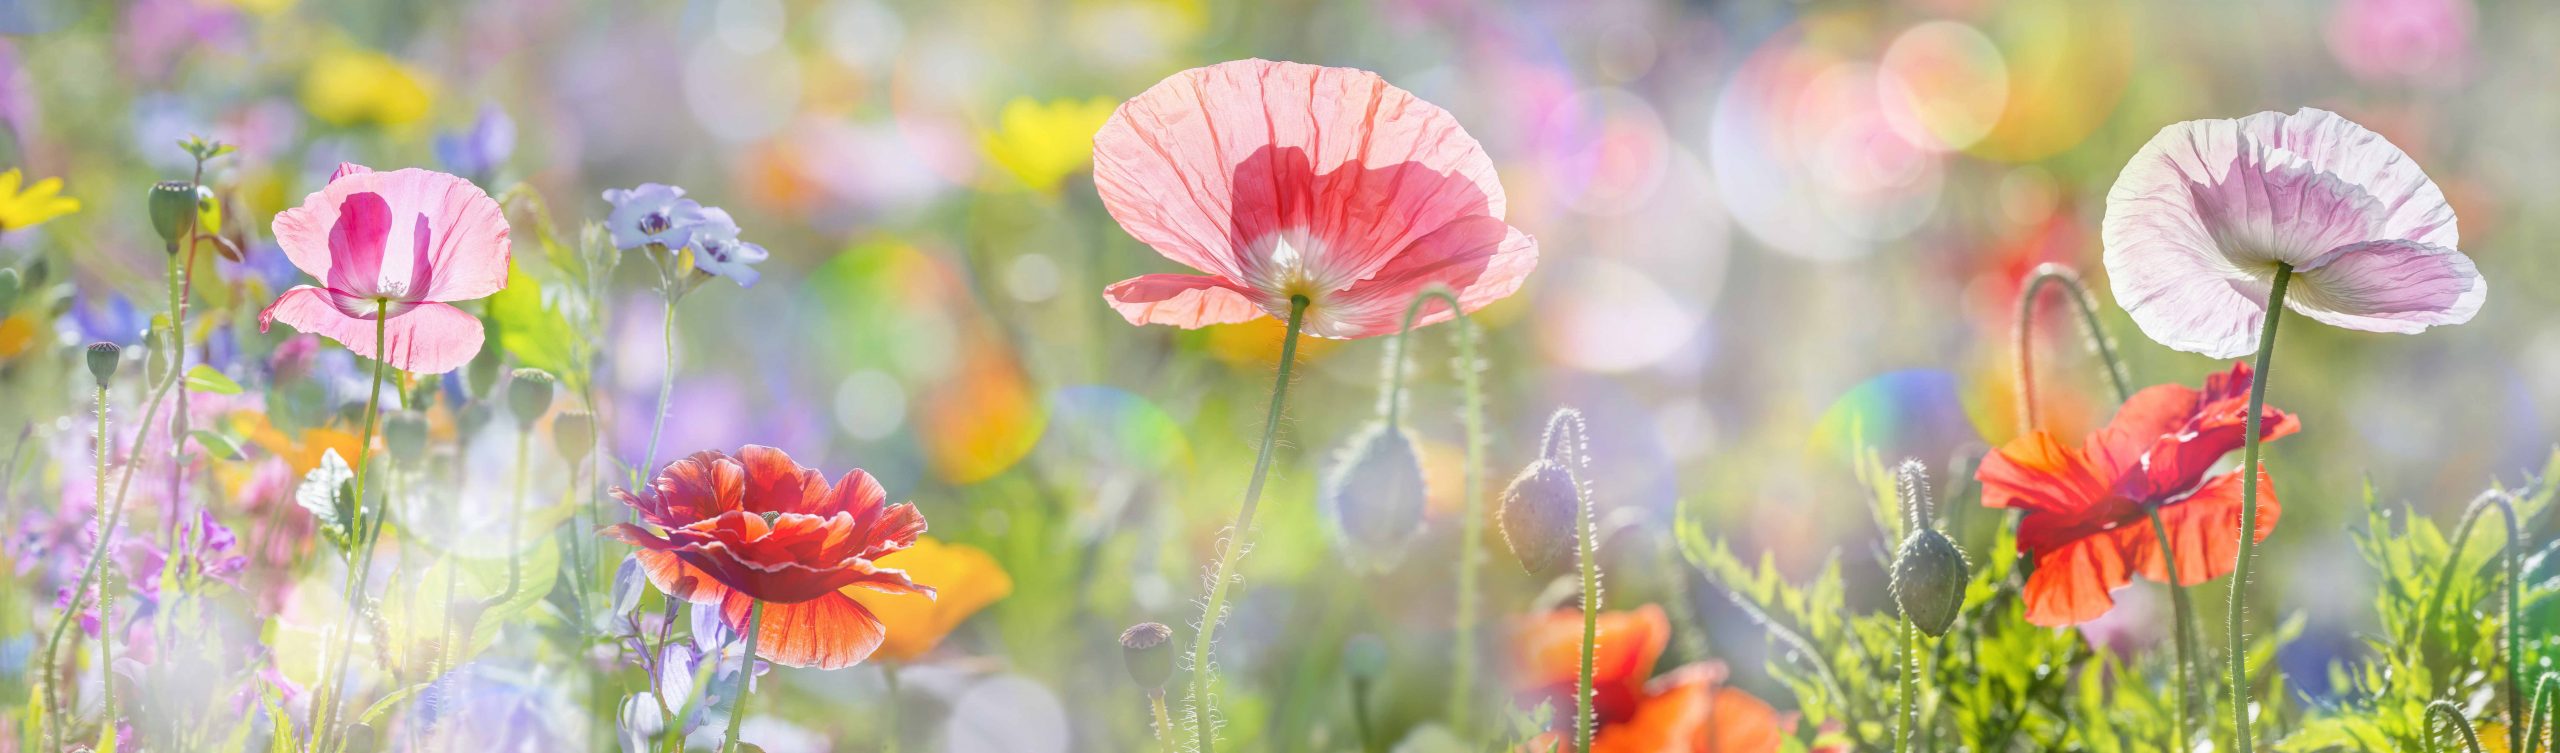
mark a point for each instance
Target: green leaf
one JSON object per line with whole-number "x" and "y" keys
{"x": 537, "y": 335}
{"x": 375, "y": 712}
{"x": 205, "y": 378}
{"x": 221, "y": 446}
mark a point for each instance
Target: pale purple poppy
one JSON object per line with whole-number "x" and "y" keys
{"x": 2199, "y": 220}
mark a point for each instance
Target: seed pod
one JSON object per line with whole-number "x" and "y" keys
{"x": 176, "y": 207}
{"x": 529, "y": 395}
{"x": 404, "y": 434}
{"x": 1147, "y": 648}
{"x": 1538, "y": 512}
{"x": 1375, "y": 495}
{"x": 1929, "y": 577}
{"x": 573, "y": 434}
{"x": 103, "y": 359}
{"x": 1364, "y": 656}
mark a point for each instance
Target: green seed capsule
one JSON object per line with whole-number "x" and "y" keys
{"x": 103, "y": 359}
{"x": 177, "y": 207}
{"x": 529, "y": 395}
{"x": 573, "y": 434}
{"x": 1147, "y": 647}
{"x": 1929, "y": 577}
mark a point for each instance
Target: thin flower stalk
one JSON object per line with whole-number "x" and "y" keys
{"x": 1237, "y": 540}
{"x": 746, "y": 678}
{"x": 1471, "y": 514}
{"x": 2446, "y": 714}
{"x": 2513, "y": 575}
{"x": 2235, "y": 621}
{"x": 90, "y": 574}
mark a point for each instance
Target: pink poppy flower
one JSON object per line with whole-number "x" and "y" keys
{"x": 1281, "y": 180}
{"x": 403, "y": 245}
{"x": 2199, "y": 220}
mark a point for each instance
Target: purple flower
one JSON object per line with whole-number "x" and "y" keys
{"x": 481, "y": 149}
{"x": 109, "y": 318}
{"x": 718, "y": 252}
{"x": 652, "y": 213}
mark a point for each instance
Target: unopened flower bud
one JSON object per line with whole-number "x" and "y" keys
{"x": 1929, "y": 577}
{"x": 529, "y": 395}
{"x": 1375, "y": 494}
{"x": 1365, "y": 657}
{"x": 103, "y": 360}
{"x": 1538, "y": 512}
{"x": 10, "y": 283}
{"x": 1147, "y": 647}
{"x": 176, "y": 207}
{"x": 573, "y": 433}
{"x": 404, "y": 433}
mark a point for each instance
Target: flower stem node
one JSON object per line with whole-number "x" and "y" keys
{"x": 1147, "y": 646}
{"x": 1929, "y": 577}
{"x": 103, "y": 359}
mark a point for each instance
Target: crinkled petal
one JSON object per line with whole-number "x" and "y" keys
{"x": 2202, "y": 530}
{"x": 2072, "y": 583}
{"x": 2397, "y": 286}
{"x": 1186, "y": 301}
{"x": 828, "y": 632}
{"x": 431, "y": 338}
{"x": 445, "y": 239}
{"x": 1479, "y": 258}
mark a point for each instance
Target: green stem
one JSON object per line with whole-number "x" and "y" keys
{"x": 2447, "y": 712}
{"x": 1164, "y": 721}
{"x": 746, "y": 677}
{"x": 1203, "y": 722}
{"x": 2540, "y": 721}
{"x": 1471, "y": 518}
{"x": 1905, "y": 723}
{"x": 2184, "y": 631}
{"x": 97, "y": 557}
{"x": 1556, "y": 442}
{"x": 2250, "y": 470}
{"x": 106, "y": 604}
{"x": 666, "y": 392}
{"x": 333, "y": 687}
{"x": 889, "y": 677}
{"x": 2078, "y": 293}
{"x": 2514, "y": 629}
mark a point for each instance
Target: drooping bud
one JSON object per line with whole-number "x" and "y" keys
{"x": 177, "y": 207}
{"x": 1929, "y": 572}
{"x": 1538, "y": 510}
{"x": 104, "y": 357}
{"x": 480, "y": 379}
{"x": 529, "y": 395}
{"x": 1147, "y": 647}
{"x": 573, "y": 433}
{"x": 1375, "y": 493}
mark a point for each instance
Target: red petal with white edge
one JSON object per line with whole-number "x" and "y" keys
{"x": 828, "y": 632}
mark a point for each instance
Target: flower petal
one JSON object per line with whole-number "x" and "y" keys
{"x": 774, "y": 483}
{"x": 446, "y": 240}
{"x": 1186, "y": 301}
{"x": 2201, "y": 530}
{"x": 2413, "y": 207}
{"x": 828, "y": 632}
{"x": 431, "y": 338}
{"x": 2397, "y": 286}
{"x": 1481, "y": 259}
{"x": 2072, "y": 582}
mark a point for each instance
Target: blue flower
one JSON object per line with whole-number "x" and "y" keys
{"x": 480, "y": 150}
{"x": 718, "y": 252}
{"x": 652, "y": 213}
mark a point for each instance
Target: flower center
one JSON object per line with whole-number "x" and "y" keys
{"x": 654, "y": 223}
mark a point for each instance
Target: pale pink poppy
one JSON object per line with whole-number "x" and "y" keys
{"x": 1281, "y": 180}
{"x": 400, "y": 245}
{"x": 2199, "y": 220}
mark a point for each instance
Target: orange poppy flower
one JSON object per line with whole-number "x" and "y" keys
{"x": 759, "y": 527}
{"x": 2087, "y": 522}
{"x": 1688, "y": 710}
{"x": 970, "y": 580}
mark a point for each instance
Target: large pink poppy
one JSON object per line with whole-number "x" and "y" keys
{"x": 399, "y": 246}
{"x": 1282, "y": 180}
{"x": 2200, "y": 218}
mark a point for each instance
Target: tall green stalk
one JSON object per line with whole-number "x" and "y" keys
{"x": 666, "y": 391}
{"x": 1471, "y": 511}
{"x": 1203, "y": 719}
{"x": 114, "y": 517}
{"x": 2249, "y": 473}
{"x": 333, "y": 686}
{"x": 2517, "y": 711}
{"x": 746, "y": 678}
{"x": 2452, "y": 715}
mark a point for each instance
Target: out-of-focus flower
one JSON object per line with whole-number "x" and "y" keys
{"x": 718, "y": 252}
{"x": 969, "y": 581}
{"x": 23, "y": 205}
{"x": 1040, "y": 143}
{"x": 2426, "y": 42}
{"x": 1284, "y": 181}
{"x": 401, "y": 245}
{"x": 480, "y": 150}
{"x": 2201, "y": 219}
{"x": 651, "y": 213}
{"x": 1686, "y": 709}
{"x": 759, "y": 527}
{"x": 362, "y": 87}
{"x": 2088, "y": 508}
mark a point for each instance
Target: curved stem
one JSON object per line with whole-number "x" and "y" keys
{"x": 2514, "y": 576}
{"x": 1203, "y": 722}
{"x": 2184, "y": 631}
{"x": 2250, "y": 470}
{"x": 746, "y": 677}
{"x": 2088, "y": 308}
{"x": 2540, "y": 721}
{"x": 2446, "y": 711}
{"x": 666, "y": 393}
{"x": 1471, "y": 520}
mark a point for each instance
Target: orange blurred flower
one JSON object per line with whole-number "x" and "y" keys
{"x": 969, "y": 580}
{"x": 1688, "y": 710}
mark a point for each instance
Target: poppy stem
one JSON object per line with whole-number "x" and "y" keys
{"x": 2078, "y": 293}
{"x": 333, "y": 685}
{"x": 1907, "y": 723}
{"x": 2446, "y": 711}
{"x": 2250, "y": 470}
{"x": 1570, "y": 420}
{"x": 666, "y": 391}
{"x": 1471, "y": 518}
{"x": 746, "y": 677}
{"x": 106, "y": 608}
{"x": 97, "y": 558}
{"x": 2515, "y": 595}
{"x": 2539, "y": 721}
{"x": 2184, "y": 632}
{"x": 1203, "y": 713}
{"x": 1164, "y": 720}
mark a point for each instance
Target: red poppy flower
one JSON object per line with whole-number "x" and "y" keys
{"x": 1688, "y": 710}
{"x": 2088, "y": 509}
{"x": 759, "y": 527}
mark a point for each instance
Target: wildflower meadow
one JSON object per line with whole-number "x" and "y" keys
{"x": 1341, "y": 376}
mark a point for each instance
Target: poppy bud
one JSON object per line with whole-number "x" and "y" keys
{"x": 1538, "y": 512}
{"x": 404, "y": 433}
{"x": 1365, "y": 656}
{"x": 103, "y": 359}
{"x": 176, "y": 207}
{"x": 9, "y": 285}
{"x": 1929, "y": 577}
{"x": 1375, "y": 494}
{"x": 529, "y": 395}
{"x": 573, "y": 434}
{"x": 480, "y": 379}
{"x": 1147, "y": 648}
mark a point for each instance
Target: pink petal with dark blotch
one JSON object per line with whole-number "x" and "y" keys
{"x": 431, "y": 338}
{"x": 1481, "y": 259}
{"x": 446, "y": 240}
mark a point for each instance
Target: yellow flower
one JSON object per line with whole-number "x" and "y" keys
{"x": 1039, "y": 143}
{"x": 967, "y": 579}
{"x": 353, "y": 86}
{"x": 33, "y": 206}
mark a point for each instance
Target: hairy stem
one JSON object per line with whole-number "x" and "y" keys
{"x": 2184, "y": 632}
{"x": 2451, "y": 715}
{"x": 1471, "y": 517}
{"x": 2250, "y": 470}
{"x": 97, "y": 558}
{"x": 746, "y": 677}
{"x": 2078, "y": 294}
{"x": 1203, "y": 723}
{"x": 1164, "y": 720}
{"x": 666, "y": 393}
